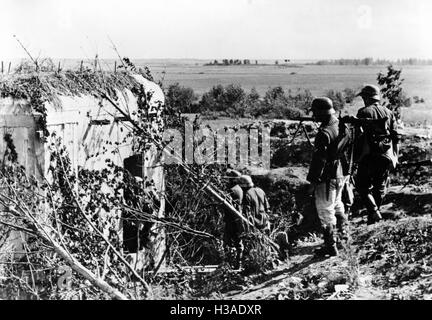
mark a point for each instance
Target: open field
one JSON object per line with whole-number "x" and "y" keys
{"x": 318, "y": 79}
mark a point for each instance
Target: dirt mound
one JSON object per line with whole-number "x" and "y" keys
{"x": 399, "y": 256}
{"x": 284, "y": 153}
{"x": 414, "y": 148}
{"x": 292, "y": 209}
{"x": 411, "y": 200}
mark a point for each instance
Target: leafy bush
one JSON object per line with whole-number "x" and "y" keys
{"x": 301, "y": 99}
{"x": 258, "y": 256}
{"x": 181, "y": 99}
{"x": 233, "y": 101}
{"x": 253, "y": 103}
{"x": 213, "y": 100}
{"x": 338, "y": 99}
{"x": 349, "y": 95}
{"x": 229, "y": 100}
{"x": 392, "y": 91}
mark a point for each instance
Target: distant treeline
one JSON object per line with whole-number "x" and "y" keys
{"x": 233, "y": 101}
{"x": 372, "y": 61}
{"x": 229, "y": 62}
{"x": 236, "y": 62}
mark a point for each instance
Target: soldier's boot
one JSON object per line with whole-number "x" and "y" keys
{"x": 373, "y": 217}
{"x": 378, "y": 195}
{"x": 284, "y": 246}
{"x": 331, "y": 241}
{"x": 373, "y": 212}
{"x": 342, "y": 230}
{"x": 329, "y": 248}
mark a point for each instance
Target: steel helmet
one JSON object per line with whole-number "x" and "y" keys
{"x": 231, "y": 173}
{"x": 322, "y": 106}
{"x": 233, "y": 176}
{"x": 370, "y": 91}
{"x": 246, "y": 181}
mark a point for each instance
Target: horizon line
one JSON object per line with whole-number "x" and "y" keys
{"x": 212, "y": 59}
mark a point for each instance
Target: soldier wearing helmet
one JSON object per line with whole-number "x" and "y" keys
{"x": 327, "y": 174}
{"x": 255, "y": 204}
{"x": 377, "y": 149}
{"x": 233, "y": 224}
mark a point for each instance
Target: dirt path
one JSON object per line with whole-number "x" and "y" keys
{"x": 289, "y": 273}
{"x": 305, "y": 277}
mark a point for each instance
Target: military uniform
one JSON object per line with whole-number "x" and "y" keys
{"x": 257, "y": 208}
{"x": 328, "y": 174}
{"x": 374, "y": 165}
{"x": 233, "y": 224}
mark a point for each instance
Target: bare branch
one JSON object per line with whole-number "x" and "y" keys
{"x": 28, "y": 53}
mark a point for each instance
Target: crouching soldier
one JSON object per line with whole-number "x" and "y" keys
{"x": 233, "y": 224}
{"x": 327, "y": 175}
{"x": 256, "y": 209}
{"x": 255, "y": 205}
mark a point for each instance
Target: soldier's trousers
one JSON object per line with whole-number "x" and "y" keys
{"x": 328, "y": 200}
{"x": 371, "y": 180}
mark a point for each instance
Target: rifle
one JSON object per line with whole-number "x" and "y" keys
{"x": 363, "y": 121}
{"x": 348, "y": 119}
{"x": 418, "y": 165}
{"x": 302, "y": 119}
{"x": 427, "y": 162}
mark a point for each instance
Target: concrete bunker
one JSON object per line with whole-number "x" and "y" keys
{"x": 72, "y": 106}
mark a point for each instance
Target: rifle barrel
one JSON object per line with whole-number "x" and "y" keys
{"x": 427, "y": 162}
{"x": 363, "y": 121}
{"x": 302, "y": 119}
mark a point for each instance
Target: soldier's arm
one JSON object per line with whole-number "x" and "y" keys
{"x": 236, "y": 198}
{"x": 319, "y": 158}
{"x": 358, "y": 129}
{"x": 362, "y": 114}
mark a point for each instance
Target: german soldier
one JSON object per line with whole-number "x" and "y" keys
{"x": 378, "y": 151}
{"x": 255, "y": 204}
{"x": 327, "y": 174}
{"x": 233, "y": 224}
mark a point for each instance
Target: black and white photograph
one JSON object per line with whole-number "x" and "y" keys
{"x": 219, "y": 158}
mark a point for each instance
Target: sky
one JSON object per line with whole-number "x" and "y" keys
{"x": 215, "y": 29}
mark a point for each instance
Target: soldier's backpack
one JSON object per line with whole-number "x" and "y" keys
{"x": 378, "y": 134}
